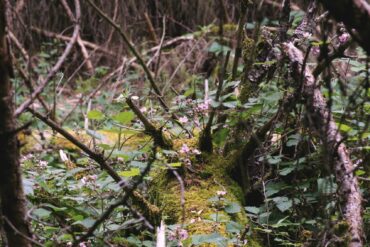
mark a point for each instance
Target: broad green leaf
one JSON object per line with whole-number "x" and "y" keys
{"x": 344, "y": 127}
{"x": 233, "y": 208}
{"x": 28, "y": 186}
{"x": 233, "y": 227}
{"x": 130, "y": 173}
{"x": 88, "y": 222}
{"x": 213, "y": 238}
{"x": 326, "y": 185}
{"x": 41, "y": 213}
{"x": 65, "y": 237}
{"x": 283, "y": 203}
{"x": 273, "y": 188}
{"x": 287, "y": 170}
{"x": 252, "y": 210}
{"x": 95, "y": 115}
{"x": 360, "y": 172}
{"x": 124, "y": 117}
{"x": 221, "y": 135}
{"x": 230, "y": 104}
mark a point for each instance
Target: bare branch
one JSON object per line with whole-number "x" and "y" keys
{"x": 56, "y": 67}
{"x": 135, "y": 53}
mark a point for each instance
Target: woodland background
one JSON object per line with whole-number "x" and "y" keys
{"x": 184, "y": 123}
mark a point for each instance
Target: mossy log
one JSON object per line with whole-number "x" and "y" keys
{"x": 209, "y": 193}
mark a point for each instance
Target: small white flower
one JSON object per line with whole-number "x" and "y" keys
{"x": 63, "y": 156}
{"x": 196, "y": 151}
{"x": 120, "y": 98}
{"x": 344, "y": 37}
{"x": 43, "y": 163}
{"x": 184, "y": 149}
{"x": 221, "y": 193}
{"x": 135, "y": 97}
{"x": 183, "y": 234}
{"x": 143, "y": 109}
{"x": 183, "y": 119}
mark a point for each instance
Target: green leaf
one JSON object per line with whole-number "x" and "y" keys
{"x": 217, "y": 48}
{"x": 273, "y": 160}
{"x": 274, "y": 187}
{"x": 94, "y": 134}
{"x": 283, "y": 203}
{"x": 95, "y": 115}
{"x": 233, "y": 227}
{"x": 360, "y": 172}
{"x": 287, "y": 170}
{"x": 130, "y": 173}
{"x": 221, "y": 135}
{"x": 230, "y": 104}
{"x": 88, "y": 222}
{"x": 293, "y": 140}
{"x": 326, "y": 185}
{"x": 344, "y": 127}
{"x": 124, "y": 117}
{"x": 28, "y": 186}
{"x": 65, "y": 237}
{"x": 252, "y": 210}
{"x": 233, "y": 208}
{"x": 177, "y": 164}
{"x": 213, "y": 238}
{"x": 41, "y": 213}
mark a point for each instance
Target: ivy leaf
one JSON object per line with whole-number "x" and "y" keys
{"x": 95, "y": 115}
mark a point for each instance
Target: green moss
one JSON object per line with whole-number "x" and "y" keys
{"x": 33, "y": 141}
{"x": 201, "y": 187}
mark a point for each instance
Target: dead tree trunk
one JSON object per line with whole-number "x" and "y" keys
{"x": 322, "y": 122}
{"x": 13, "y": 203}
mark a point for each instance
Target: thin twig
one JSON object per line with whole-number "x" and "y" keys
{"x": 122, "y": 201}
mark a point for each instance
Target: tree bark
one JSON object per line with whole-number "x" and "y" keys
{"x": 13, "y": 203}
{"x": 322, "y": 122}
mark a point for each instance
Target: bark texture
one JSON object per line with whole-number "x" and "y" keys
{"x": 322, "y": 122}
{"x": 13, "y": 203}
{"x": 354, "y": 14}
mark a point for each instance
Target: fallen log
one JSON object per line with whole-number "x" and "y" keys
{"x": 322, "y": 122}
